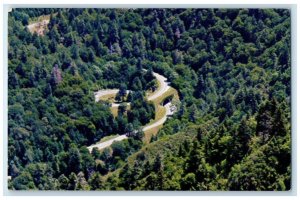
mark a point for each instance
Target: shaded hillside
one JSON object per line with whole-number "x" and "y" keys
{"x": 232, "y": 71}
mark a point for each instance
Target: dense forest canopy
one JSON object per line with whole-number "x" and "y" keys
{"x": 231, "y": 68}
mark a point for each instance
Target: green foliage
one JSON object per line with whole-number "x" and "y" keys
{"x": 24, "y": 182}
{"x": 231, "y": 68}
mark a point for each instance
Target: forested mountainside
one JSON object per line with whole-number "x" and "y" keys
{"x": 231, "y": 68}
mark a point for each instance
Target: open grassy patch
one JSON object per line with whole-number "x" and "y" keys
{"x": 39, "y": 24}
{"x": 150, "y": 93}
{"x": 167, "y": 94}
{"x": 150, "y": 132}
{"x": 160, "y": 111}
{"x": 108, "y": 97}
{"x": 114, "y": 110}
{"x": 106, "y": 138}
{"x": 40, "y": 18}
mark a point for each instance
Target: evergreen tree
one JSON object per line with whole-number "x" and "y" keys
{"x": 63, "y": 182}
{"x": 96, "y": 182}
{"x": 74, "y": 162}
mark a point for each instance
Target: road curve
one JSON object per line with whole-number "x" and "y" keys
{"x": 164, "y": 86}
{"x": 101, "y": 93}
{"x": 105, "y": 144}
{"x": 162, "y": 120}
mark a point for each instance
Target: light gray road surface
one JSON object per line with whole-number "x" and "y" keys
{"x": 164, "y": 86}
{"x": 105, "y": 144}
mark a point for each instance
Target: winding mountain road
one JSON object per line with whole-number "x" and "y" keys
{"x": 163, "y": 87}
{"x": 162, "y": 120}
{"x": 105, "y": 144}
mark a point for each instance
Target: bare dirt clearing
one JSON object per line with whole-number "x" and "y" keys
{"x": 39, "y": 27}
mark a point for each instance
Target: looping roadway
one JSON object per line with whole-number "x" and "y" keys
{"x": 164, "y": 87}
